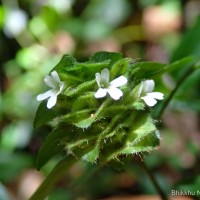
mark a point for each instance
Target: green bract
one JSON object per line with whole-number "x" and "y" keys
{"x": 99, "y": 130}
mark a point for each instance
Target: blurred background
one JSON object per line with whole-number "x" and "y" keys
{"x": 33, "y": 37}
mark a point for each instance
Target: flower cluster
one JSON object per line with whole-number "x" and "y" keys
{"x": 145, "y": 91}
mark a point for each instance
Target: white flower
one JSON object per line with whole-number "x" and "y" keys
{"x": 57, "y": 86}
{"x": 150, "y": 97}
{"x": 106, "y": 87}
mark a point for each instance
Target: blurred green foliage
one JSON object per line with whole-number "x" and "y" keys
{"x": 33, "y": 37}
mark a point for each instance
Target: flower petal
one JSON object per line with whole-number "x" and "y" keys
{"x": 115, "y": 93}
{"x": 98, "y": 78}
{"x": 149, "y": 101}
{"x": 122, "y": 80}
{"x": 105, "y": 75}
{"x": 148, "y": 86}
{"x": 45, "y": 95}
{"x": 50, "y": 81}
{"x": 100, "y": 93}
{"x": 156, "y": 95}
{"x": 55, "y": 76}
{"x": 61, "y": 87}
{"x": 52, "y": 101}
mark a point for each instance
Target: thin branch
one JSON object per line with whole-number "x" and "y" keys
{"x": 179, "y": 83}
{"x": 162, "y": 194}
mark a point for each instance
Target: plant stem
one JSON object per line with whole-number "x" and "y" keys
{"x": 59, "y": 171}
{"x": 162, "y": 194}
{"x": 179, "y": 83}
{"x": 159, "y": 115}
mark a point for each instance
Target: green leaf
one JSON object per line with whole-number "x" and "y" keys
{"x": 81, "y": 119}
{"x": 179, "y": 64}
{"x": 119, "y": 68}
{"x": 86, "y": 71}
{"x": 103, "y": 56}
{"x": 86, "y": 101}
{"x": 80, "y": 88}
{"x": 92, "y": 155}
{"x": 143, "y": 135}
{"x": 65, "y": 62}
{"x": 138, "y": 105}
{"x": 70, "y": 79}
{"x": 44, "y": 115}
{"x": 113, "y": 109}
{"x": 145, "y": 143}
{"x": 146, "y": 69}
{"x": 190, "y": 43}
{"x": 81, "y": 67}
{"x": 143, "y": 125}
{"x": 85, "y": 123}
{"x": 135, "y": 150}
{"x": 53, "y": 144}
